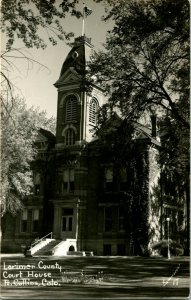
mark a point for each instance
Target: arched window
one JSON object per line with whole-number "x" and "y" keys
{"x": 92, "y": 111}
{"x": 70, "y": 137}
{"x": 71, "y": 109}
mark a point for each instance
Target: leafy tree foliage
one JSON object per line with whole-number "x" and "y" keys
{"x": 34, "y": 22}
{"x": 145, "y": 66}
{"x": 23, "y": 18}
{"x": 17, "y": 152}
{"x": 146, "y": 62}
{"x": 175, "y": 151}
{"x": 175, "y": 162}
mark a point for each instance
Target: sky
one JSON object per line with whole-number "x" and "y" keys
{"x": 34, "y": 82}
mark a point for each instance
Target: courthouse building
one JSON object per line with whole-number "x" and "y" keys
{"x": 85, "y": 198}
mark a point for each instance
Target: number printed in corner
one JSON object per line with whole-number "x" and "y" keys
{"x": 175, "y": 281}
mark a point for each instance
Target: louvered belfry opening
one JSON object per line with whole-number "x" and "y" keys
{"x": 92, "y": 111}
{"x": 71, "y": 109}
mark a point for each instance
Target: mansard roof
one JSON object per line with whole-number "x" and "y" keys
{"x": 77, "y": 57}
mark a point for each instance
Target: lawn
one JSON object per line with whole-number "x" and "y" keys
{"x": 94, "y": 277}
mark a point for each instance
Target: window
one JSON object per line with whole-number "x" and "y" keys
{"x": 107, "y": 249}
{"x": 92, "y": 111}
{"x": 24, "y": 218}
{"x": 121, "y": 219}
{"x": 37, "y": 189}
{"x": 59, "y": 183}
{"x": 67, "y": 219}
{"x": 68, "y": 181}
{"x": 70, "y": 137}
{"x": 71, "y": 109}
{"x": 108, "y": 219}
{"x": 37, "y": 184}
{"x": 109, "y": 179}
{"x": 123, "y": 180}
{"x": 65, "y": 181}
{"x": 35, "y": 221}
{"x": 121, "y": 249}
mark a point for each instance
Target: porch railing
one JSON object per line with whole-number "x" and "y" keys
{"x": 40, "y": 240}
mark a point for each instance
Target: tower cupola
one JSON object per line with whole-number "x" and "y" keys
{"x": 77, "y": 58}
{"x": 77, "y": 110}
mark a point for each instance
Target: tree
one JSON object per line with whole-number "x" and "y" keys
{"x": 145, "y": 66}
{"x": 17, "y": 152}
{"x": 25, "y": 20}
{"x": 175, "y": 162}
{"x": 146, "y": 62}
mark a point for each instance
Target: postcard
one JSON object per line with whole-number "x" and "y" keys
{"x": 95, "y": 199}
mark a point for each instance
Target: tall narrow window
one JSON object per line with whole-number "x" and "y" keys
{"x": 67, "y": 219}
{"x": 123, "y": 180}
{"x": 68, "y": 181}
{"x": 109, "y": 179}
{"x": 92, "y": 111}
{"x": 121, "y": 219}
{"x": 37, "y": 184}
{"x": 107, "y": 249}
{"x": 108, "y": 219}
{"x": 71, "y": 109}
{"x": 70, "y": 137}
{"x": 37, "y": 189}
{"x": 59, "y": 183}
{"x": 35, "y": 221}
{"x": 24, "y": 218}
{"x": 121, "y": 249}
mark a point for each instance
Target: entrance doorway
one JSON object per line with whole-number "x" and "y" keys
{"x": 107, "y": 249}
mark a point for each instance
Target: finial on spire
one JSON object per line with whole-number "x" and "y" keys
{"x": 86, "y": 12}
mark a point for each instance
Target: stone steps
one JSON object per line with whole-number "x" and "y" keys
{"x": 47, "y": 250}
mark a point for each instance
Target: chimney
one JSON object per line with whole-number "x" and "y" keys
{"x": 153, "y": 126}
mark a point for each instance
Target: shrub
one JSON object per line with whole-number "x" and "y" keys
{"x": 162, "y": 247}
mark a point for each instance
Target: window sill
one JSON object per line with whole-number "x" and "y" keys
{"x": 69, "y": 122}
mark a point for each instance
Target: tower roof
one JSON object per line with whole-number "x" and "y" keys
{"x": 77, "y": 57}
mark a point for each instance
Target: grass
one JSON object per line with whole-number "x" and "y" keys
{"x": 102, "y": 277}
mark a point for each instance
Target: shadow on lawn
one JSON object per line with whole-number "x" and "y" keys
{"x": 92, "y": 292}
{"x": 118, "y": 267}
